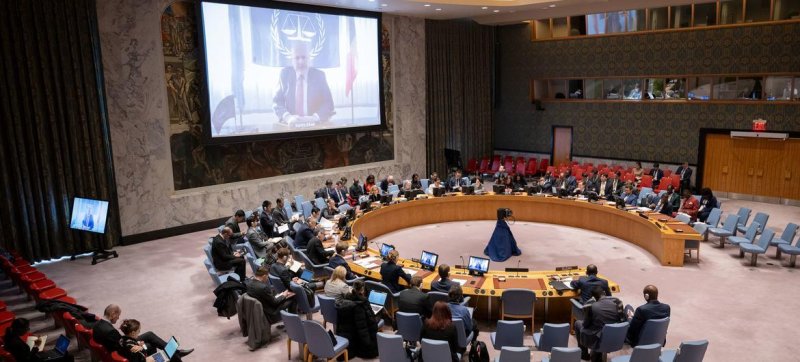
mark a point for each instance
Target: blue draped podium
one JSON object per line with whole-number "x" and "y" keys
{"x": 502, "y": 244}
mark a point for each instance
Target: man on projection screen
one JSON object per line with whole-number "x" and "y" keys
{"x": 303, "y": 98}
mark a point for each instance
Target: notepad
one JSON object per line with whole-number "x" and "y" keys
{"x": 283, "y": 228}
{"x": 295, "y": 266}
{"x": 275, "y": 240}
{"x": 460, "y": 282}
{"x": 411, "y": 272}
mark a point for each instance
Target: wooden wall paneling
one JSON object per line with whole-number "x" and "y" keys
{"x": 716, "y": 166}
{"x": 743, "y": 165}
{"x": 791, "y": 169}
{"x": 768, "y": 180}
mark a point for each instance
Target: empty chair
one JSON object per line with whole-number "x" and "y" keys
{"x": 560, "y": 354}
{"x": 328, "y": 307}
{"x": 294, "y": 332}
{"x": 613, "y": 338}
{"x": 517, "y": 303}
{"x": 303, "y": 306}
{"x": 434, "y": 297}
{"x": 654, "y": 331}
{"x": 424, "y": 183}
{"x": 552, "y": 335}
{"x": 320, "y": 203}
{"x": 435, "y": 350}
{"x": 689, "y": 351}
{"x": 757, "y": 248}
{"x": 288, "y": 209}
{"x": 390, "y": 348}
{"x": 464, "y": 338}
{"x": 393, "y": 189}
{"x": 508, "y": 334}
{"x": 298, "y": 200}
{"x": 514, "y": 354}
{"x": 409, "y": 325}
{"x": 320, "y": 344}
{"x": 748, "y": 237}
{"x": 744, "y": 216}
{"x": 306, "y": 208}
{"x": 729, "y": 229}
{"x": 712, "y": 221}
{"x": 761, "y": 218}
{"x": 792, "y": 250}
{"x": 684, "y": 218}
{"x": 786, "y": 238}
{"x": 642, "y": 353}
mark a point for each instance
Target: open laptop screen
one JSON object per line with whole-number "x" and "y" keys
{"x": 172, "y": 347}
{"x": 376, "y": 297}
{"x": 62, "y": 344}
{"x": 307, "y": 275}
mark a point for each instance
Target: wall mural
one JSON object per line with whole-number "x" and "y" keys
{"x": 195, "y": 164}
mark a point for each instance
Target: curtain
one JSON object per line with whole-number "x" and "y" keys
{"x": 54, "y": 136}
{"x": 459, "y": 62}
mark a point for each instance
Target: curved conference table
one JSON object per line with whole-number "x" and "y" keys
{"x": 658, "y": 234}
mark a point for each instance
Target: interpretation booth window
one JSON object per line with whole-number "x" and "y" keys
{"x": 659, "y": 18}
{"x": 705, "y": 14}
{"x": 786, "y": 10}
{"x": 594, "y": 89}
{"x": 681, "y": 16}
{"x": 577, "y": 25}
{"x": 756, "y": 10}
{"x": 560, "y": 28}
{"x": 730, "y": 12}
{"x": 700, "y": 88}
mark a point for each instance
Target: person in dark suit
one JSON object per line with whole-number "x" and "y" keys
{"x": 602, "y": 187}
{"x": 338, "y": 259}
{"x": 663, "y": 206}
{"x": 356, "y": 191}
{"x": 454, "y": 183}
{"x": 385, "y": 183}
{"x": 592, "y": 180}
{"x": 233, "y": 223}
{"x": 258, "y": 239}
{"x": 606, "y": 310}
{"x": 14, "y": 343}
{"x": 440, "y": 327}
{"x": 303, "y": 94}
{"x": 279, "y": 214}
{"x": 413, "y": 300}
{"x": 266, "y": 220}
{"x": 444, "y": 283}
{"x": 306, "y": 233}
{"x": 587, "y": 283}
{"x": 630, "y": 197}
{"x": 657, "y": 174}
{"x": 331, "y": 211}
{"x": 616, "y": 184}
{"x": 674, "y": 198}
{"x": 707, "y": 203}
{"x": 316, "y": 251}
{"x": 131, "y": 341}
{"x": 223, "y": 256}
{"x": 686, "y": 176}
{"x": 391, "y": 273}
{"x": 273, "y": 303}
{"x": 109, "y": 337}
{"x": 653, "y": 309}
{"x": 280, "y": 269}
{"x": 416, "y": 183}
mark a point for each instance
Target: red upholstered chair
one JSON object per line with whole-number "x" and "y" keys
{"x": 520, "y": 166}
{"x": 84, "y": 336}
{"x": 508, "y": 159}
{"x": 6, "y": 317}
{"x": 495, "y": 164}
{"x": 39, "y": 287}
{"x": 550, "y": 169}
{"x": 543, "y": 165}
{"x": 484, "y": 166}
{"x": 69, "y": 324}
{"x": 628, "y": 177}
{"x": 99, "y": 353}
{"x": 676, "y": 182}
{"x": 647, "y": 181}
{"x": 68, "y": 299}
{"x": 26, "y": 280}
{"x": 531, "y": 170}
{"x": 509, "y": 165}
{"x": 17, "y": 272}
{"x": 115, "y": 357}
{"x": 3, "y": 306}
{"x": 472, "y": 166}
{"x": 667, "y": 173}
{"x": 50, "y": 294}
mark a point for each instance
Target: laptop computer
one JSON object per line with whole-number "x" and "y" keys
{"x": 59, "y": 351}
{"x": 377, "y": 300}
{"x": 169, "y": 351}
{"x": 307, "y": 275}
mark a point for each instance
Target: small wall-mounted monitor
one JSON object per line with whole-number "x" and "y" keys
{"x": 478, "y": 265}
{"x": 89, "y": 215}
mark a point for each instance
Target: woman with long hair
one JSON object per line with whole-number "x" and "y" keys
{"x": 440, "y": 327}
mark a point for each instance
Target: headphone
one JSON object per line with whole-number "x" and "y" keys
{"x": 647, "y": 297}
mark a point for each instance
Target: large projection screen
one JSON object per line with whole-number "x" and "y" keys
{"x": 280, "y": 70}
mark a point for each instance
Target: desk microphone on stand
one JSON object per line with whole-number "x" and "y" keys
{"x": 518, "y": 260}
{"x": 462, "y": 261}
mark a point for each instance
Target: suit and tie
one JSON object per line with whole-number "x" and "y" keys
{"x": 686, "y": 177}
{"x": 267, "y": 222}
{"x": 607, "y": 310}
{"x": 271, "y": 303}
{"x": 414, "y": 301}
{"x": 316, "y": 251}
{"x": 586, "y": 283}
{"x": 657, "y": 174}
{"x": 318, "y": 99}
{"x": 223, "y": 258}
{"x": 651, "y": 310}
{"x": 391, "y": 274}
{"x": 338, "y": 260}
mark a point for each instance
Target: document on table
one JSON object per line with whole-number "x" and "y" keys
{"x": 368, "y": 263}
{"x": 275, "y": 240}
{"x": 283, "y": 228}
{"x": 461, "y": 282}
{"x": 411, "y": 272}
{"x": 325, "y": 223}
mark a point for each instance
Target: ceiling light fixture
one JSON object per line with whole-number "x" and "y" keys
{"x": 438, "y": 9}
{"x": 384, "y": 5}
{"x": 497, "y": 11}
{"x": 426, "y": 5}
{"x": 485, "y": 8}
{"x": 552, "y": 5}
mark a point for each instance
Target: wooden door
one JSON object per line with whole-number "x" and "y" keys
{"x": 562, "y": 145}
{"x": 716, "y": 163}
{"x": 790, "y": 172}
{"x": 767, "y": 179}
{"x": 744, "y": 164}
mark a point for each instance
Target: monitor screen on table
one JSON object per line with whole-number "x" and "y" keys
{"x": 478, "y": 264}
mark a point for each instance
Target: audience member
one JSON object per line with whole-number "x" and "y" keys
{"x": 385, "y": 183}
{"x": 413, "y": 300}
{"x": 707, "y": 203}
{"x": 686, "y": 176}
{"x": 271, "y": 302}
{"x": 105, "y": 334}
{"x": 266, "y": 220}
{"x": 416, "y": 184}
{"x": 331, "y": 210}
{"x": 222, "y": 254}
{"x": 338, "y": 260}
{"x": 444, "y": 283}
{"x": 455, "y": 297}
{"x": 132, "y": 348}
{"x": 689, "y": 205}
{"x": 606, "y": 310}
{"x": 14, "y": 343}
{"x": 279, "y": 213}
{"x": 638, "y": 171}
{"x": 337, "y": 287}
{"x": 440, "y": 327}
{"x": 657, "y": 174}
{"x": 257, "y": 238}
{"x": 233, "y": 223}
{"x": 356, "y": 321}
{"x": 391, "y": 273}
{"x": 652, "y": 309}
{"x": 587, "y": 283}
{"x": 306, "y": 233}
{"x": 282, "y": 270}
{"x": 315, "y": 250}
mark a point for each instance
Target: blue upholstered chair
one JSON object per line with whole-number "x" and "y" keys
{"x": 252, "y": 261}
{"x": 390, "y": 297}
{"x": 216, "y": 277}
{"x": 306, "y": 207}
{"x": 424, "y": 183}
{"x": 276, "y": 283}
{"x": 328, "y": 307}
{"x": 298, "y": 200}
{"x": 320, "y": 203}
{"x": 577, "y": 312}
{"x": 517, "y": 303}
{"x": 684, "y": 218}
{"x": 792, "y": 250}
{"x": 434, "y": 297}
{"x": 464, "y": 336}
{"x": 303, "y": 307}
{"x": 514, "y": 354}
{"x": 744, "y": 216}
{"x": 786, "y": 238}
{"x": 654, "y": 331}
{"x": 712, "y": 221}
{"x": 552, "y": 335}
{"x": 435, "y": 350}
{"x": 288, "y": 209}
{"x": 294, "y": 332}
{"x": 748, "y": 237}
{"x": 560, "y": 354}
{"x": 729, "y": 229}
{"x": 393, "y": 189}
{"x": 320, "y": 344}
{"x": 642, "y": 353}
{"x": 689, "y": 351}
{"x": 409, "y": 325}
{"x": 613, "y": 338}
{"x": 759, "y": 247}
{"x": 318, "y": 269}
{"x": 508, "y": 334}
{"x": 390, "y": 348}
{"x": 761, "y": 218}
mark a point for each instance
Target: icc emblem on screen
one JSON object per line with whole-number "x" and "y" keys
{"x": 297, "y": 27}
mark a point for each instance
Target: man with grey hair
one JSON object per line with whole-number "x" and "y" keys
{"x": 303, "y": 96}
{"x": 224, "y": 258}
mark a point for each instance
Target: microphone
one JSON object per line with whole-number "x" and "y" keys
{"x": 518, "y": 261}
{"x": 462, "y": 261}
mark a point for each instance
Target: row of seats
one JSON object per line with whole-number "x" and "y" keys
{"x": 747, "y": 243}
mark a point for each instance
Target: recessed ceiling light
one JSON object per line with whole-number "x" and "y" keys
{"x": 545, "y": 8}
{"x": 384, "y": 5}
{"x": 426, "y": 5}
{"x": 438, "y": 9}
{"x": 485, "y": 7}
{"x": 552, "y": 5}
{"x": 372, "y": 1}
{"x": 497, "y": 11}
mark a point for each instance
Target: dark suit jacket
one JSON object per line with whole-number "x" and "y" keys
{"x": 337, "y": 260}
{"x": 448, "y": 334}
{"x": 685, "y": 177}
{"x": 282, "y": 272}
{"x": 264, "y": 293}
{"x": 587, "y": 283}
{"x": 231, "y": 223}
{"x": 222, "y": 254}
{"x": 442, "y": 285}
{"x": 391, "y": 274}
{"x": 279, "y": 215}
{"x": 607, "y": 310}
{"x": 666, "y": 209}
{"x": 303, "y": 237}
{"x": 650, "y": 310}
{"x": 19, "y": 349}
{"x": 316, "y": 252}
{"x": 657, "y": 174}
{"x": 267, "y": 222}
{"x": 318, "y": 95}
{"x": 106, "y": 334}
{"x": 413, "y": 300}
